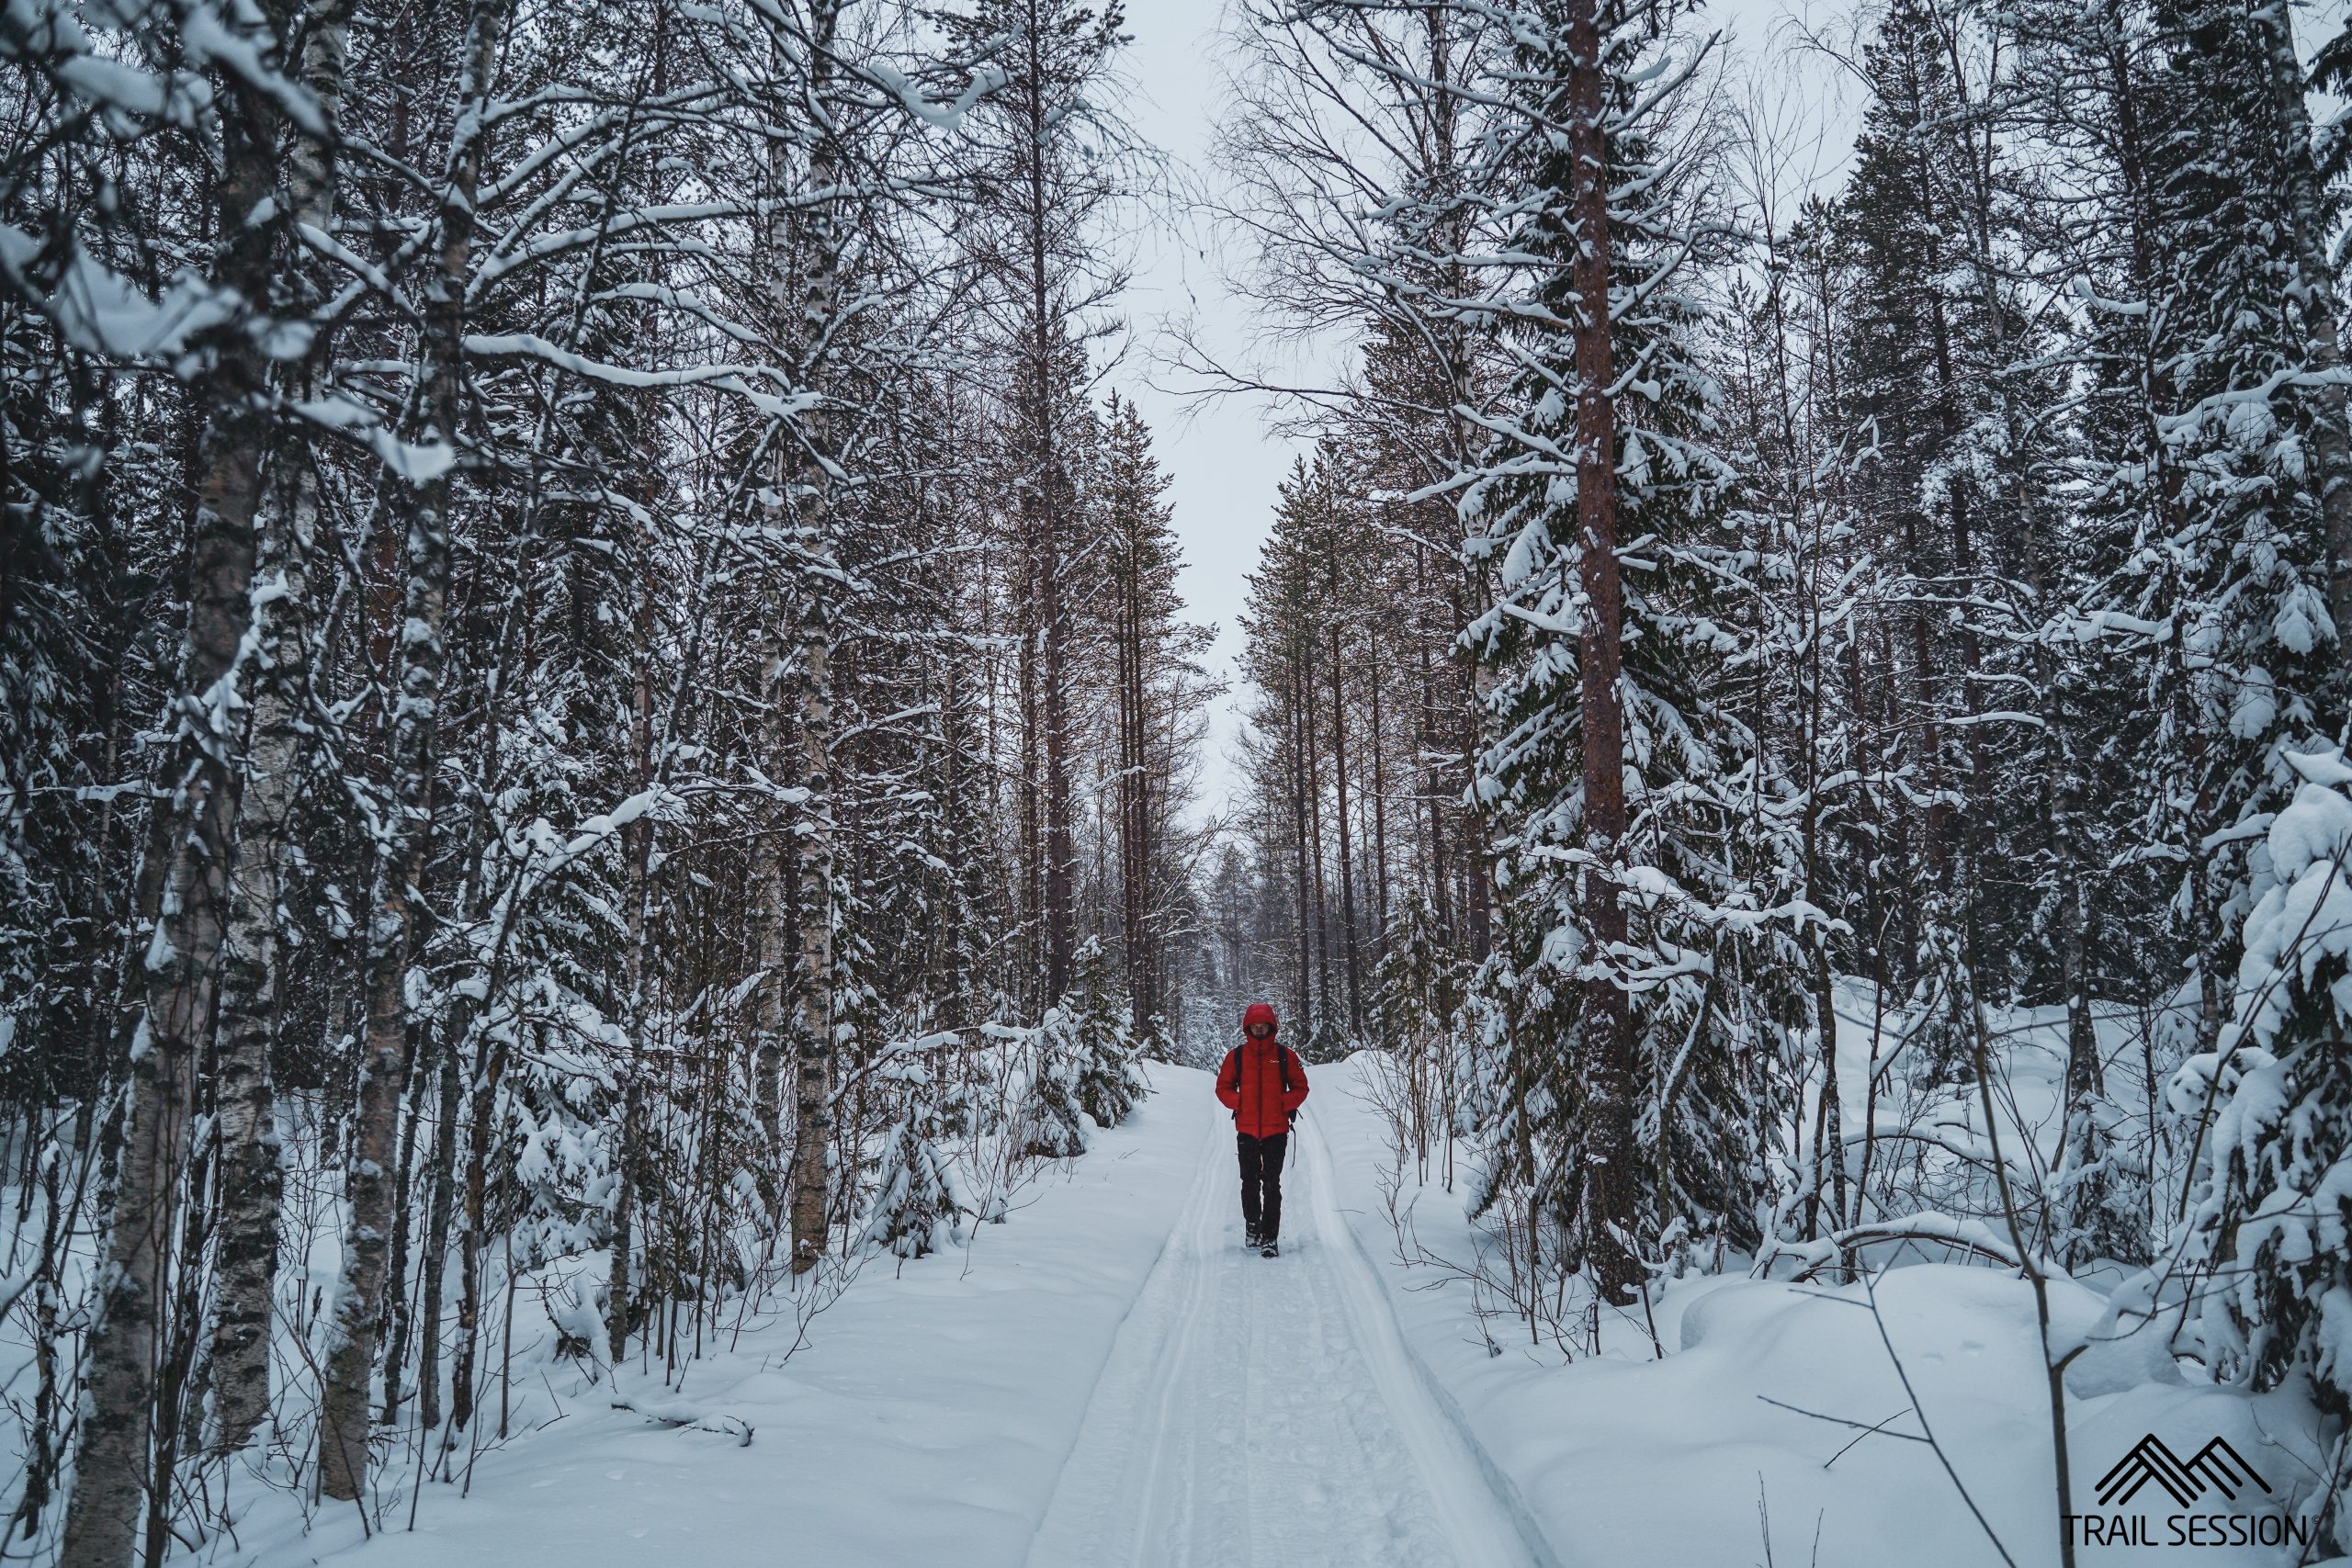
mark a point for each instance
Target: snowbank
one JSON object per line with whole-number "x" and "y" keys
{"x": 1633, "y": 1458}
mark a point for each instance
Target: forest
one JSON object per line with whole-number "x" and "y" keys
{"x": 599, "y": 732}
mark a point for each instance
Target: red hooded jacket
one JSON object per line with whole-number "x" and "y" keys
{"x": 1249, "y": 1084}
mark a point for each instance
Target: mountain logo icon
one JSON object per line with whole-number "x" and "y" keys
{"x": 2217, "y": 1467}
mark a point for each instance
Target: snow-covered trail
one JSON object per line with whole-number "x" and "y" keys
{"x": 1265, "y": 1412}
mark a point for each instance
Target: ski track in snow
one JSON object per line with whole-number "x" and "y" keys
{"x": 1260, "y": 1411}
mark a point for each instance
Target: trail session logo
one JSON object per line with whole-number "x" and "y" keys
{"x": 2217, "y": 1469}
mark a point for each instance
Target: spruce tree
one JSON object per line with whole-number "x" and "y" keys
{"x": 920, "y": 1207}
{"x": 2255, "y": 578}
{"x": 1105, "y": 1083}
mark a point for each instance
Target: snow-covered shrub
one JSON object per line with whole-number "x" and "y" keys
{"x": 2099, "y": 1192}
{"x": 921, "y": 1208}
{"x": 1156, "y": 1040}
{"x": 1051, "y": 1128}
{"x": 1946, "y": 1026}
{"x": 1108, "y": 1084}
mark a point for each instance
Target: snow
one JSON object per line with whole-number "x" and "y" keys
{"x": 1110, "y": 1379}
{"x": 940, "y": 116}
{"x": 735, "y": 379}
{"x": 1664, "y": 1454}
{"x": 925, "y": 1420}
{"x": 1265, "y": 1412}
{"x": 412, "y": 464}
{"x": 2304, "y": 916}
{"x": 101, "y": 312}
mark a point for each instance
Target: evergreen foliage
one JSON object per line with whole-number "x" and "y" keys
{"x": 1108, "y": 1087}
{"x": 1708, "y": 964}
{"x": 1049, "y": 1125}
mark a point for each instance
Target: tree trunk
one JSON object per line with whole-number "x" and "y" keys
{"x": 1134, "y": 855}
{"x": 401, "y": 1314}
{"x": 367, "y": 1186}
{"x": 1425, "y": 769}
{"x": 481, "y": 1118}
{"x": 637, "y": 844}
{"x": 1832, "y": 1146}
{"x": 813, "y": 1034}
{"x": 1042, "y": 510}
{"x": 1033, "y": 796}
{"x": 245, "y": 1255}
{"x": 1476, "y": 874}
{"x": 778, "y": 860}
{"x": 1608, "y": 1180}
{"x": 1298, "y": 840}
{"x": 814, "y": 1046}
{"x": 440, "y": 1197}
{"x": 1346, "y": 864}
{"x": 1311, "y": 773}
{"x": 193, "y": 843}
{"x": 246, "y": 1251}
{"x": 1375, "y": 675}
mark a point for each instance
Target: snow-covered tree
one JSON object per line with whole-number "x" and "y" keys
{"x": 2271, "y": 1224}
{"x": 920, "y": 1207}
{"x": 1107, "y": 1084}
{"x": 1047, "y": 1124}
{"x": 1646, "y": 975}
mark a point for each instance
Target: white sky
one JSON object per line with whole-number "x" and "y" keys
{"x": 1223, "y": 463}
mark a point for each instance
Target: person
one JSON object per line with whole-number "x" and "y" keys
{"x": 1263, "y": 1083}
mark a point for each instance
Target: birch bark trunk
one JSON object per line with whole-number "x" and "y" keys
{"x": 245, "y": 1254}
{"x": 813, "y": 1044}
{"x": 186, "y": 896}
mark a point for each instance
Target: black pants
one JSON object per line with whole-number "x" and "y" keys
{"x": 1261, "y": 1183}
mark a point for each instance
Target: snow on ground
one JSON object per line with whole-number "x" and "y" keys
{"x": 925, "y": 1421}
{"x": 1110, "y": 1379}
{"x": 1634, "y": 1458}
{"x": 1261, "y": 1412}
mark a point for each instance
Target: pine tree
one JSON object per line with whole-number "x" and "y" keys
{"x": 1639, "y": 987}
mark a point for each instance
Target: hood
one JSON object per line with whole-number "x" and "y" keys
{"x": 1260, "y": 1013}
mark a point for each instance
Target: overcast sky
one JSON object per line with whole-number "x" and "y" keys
{"x": 1223, "y": 463}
